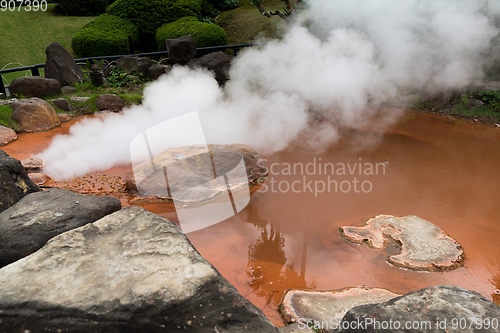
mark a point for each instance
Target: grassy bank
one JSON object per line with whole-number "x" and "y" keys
{"x": 245, "y": 23}
{"x": 466, "y": 106}
{"x": 25, "y": 35}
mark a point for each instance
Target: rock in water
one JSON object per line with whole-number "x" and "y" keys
{"x": 33, "y": 164}
{"x": 61, "y": 66}
{"x": 190, "y": 168}
{"x": 27, "y": 225}
{"x": 328, "y": 306}
{"x": 34, "y": 114}
{"x": 14, "y": 181}
{"x": 131, "y": 271}
{"x": 35, "y": 86}
{"x": 432, "y": 309}
{"x": 7, "y": 135}
{"x": 424, "y": 246}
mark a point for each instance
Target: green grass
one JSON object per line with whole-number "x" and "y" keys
{"x": 6, "y": 119}
{"x": 485, "y": 113}
{"x": 245, "y": 23}
{"x": 25, "y": 35}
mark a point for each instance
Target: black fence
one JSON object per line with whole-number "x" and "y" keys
{"x": 35, "y": 72}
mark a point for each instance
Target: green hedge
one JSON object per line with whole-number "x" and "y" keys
{"x": 106, "y": 35}
{"x": 149, "y": 15}
{"x": 111, "y": 24}
{"x": 205, "y": 34}
{"x": 82, "y": 7}
{"x": 92, "y": 42}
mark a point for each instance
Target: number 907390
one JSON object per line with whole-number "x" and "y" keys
{"x": 25, "y": 5}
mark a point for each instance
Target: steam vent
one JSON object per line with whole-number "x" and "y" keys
{"x": 424, "y": 246}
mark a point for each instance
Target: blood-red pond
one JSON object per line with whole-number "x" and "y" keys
{"x": 442, "y": 170}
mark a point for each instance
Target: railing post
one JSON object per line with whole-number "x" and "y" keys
{"x": 235, "y": 51}
{"x": 35, "y": 72}
{"x": 2, "y": 87}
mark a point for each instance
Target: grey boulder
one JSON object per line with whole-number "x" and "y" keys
{"x": 27, "y": 225}
{"x": 181, "y": 50}
{"x": 133, "y": 64}
{"x": 217, "y": 62}
{"x": 110, "y": 102}
{"x": 131, "y": 271}
{"x": 35, "y": 86}
{"x": 14, "y": 181}
{"x": 61, "y": 66}
{"x": 431, "y": 309}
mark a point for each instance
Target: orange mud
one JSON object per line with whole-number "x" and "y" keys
{"x": 443, "y": 170}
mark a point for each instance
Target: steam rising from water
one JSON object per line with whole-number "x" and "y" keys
{"x": 341, "y": 62}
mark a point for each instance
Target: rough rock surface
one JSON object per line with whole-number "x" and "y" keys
{"x": 62, "y": 103}
{"x": 217, "y": 62}
{"x": 33, "y": 164}
{"x": 191, "y": 166}
{"x": 14, "y": 181}
{"x": 7, "y": 135}
{"x": 61, "y": 66}
{"x": 68, "y": 88}
{"x": 133, "y": 64}
{"x": 155, "y": 71}
{"x": 321, "y": 306}
{"x": 35, "y": 86}
{"x": 63, "y": 117}
{"x": 296, "y": 328}
{"x": 39, "y": 178}
{"x": 28, "y": 224}
{"x": 8, "y": 101}
{"x": 34, "y": 114}
{"x": 439, "y": 308}
{"x": 131, "y": 271}
{"x": 424, "y": 246}
{"x": 181, "y": 50}
{"x": 110, "y": 102}
{"x": 79, "y": 99}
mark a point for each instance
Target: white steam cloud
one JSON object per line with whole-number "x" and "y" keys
{"x": 339, "y": 63}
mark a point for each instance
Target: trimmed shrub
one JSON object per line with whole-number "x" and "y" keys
{"x": 149, "y": 15}
{"x": 93, "y": 42}
{"x": 205, "y": 34}
{"x": 111, "y": 24}
{"x": 82, "y": 7}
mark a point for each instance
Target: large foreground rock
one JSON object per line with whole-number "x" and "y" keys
{"x": 61, "y": 66}
{"x": 304, "y": 306}
{"x": 424, "y": 246}
{"x": 432, "y": 309}
{"x": 27, "y": 225}
{"x": 34, "y": 114}
{"x": 35, "y": 86}
{"x": 131, "y": 271}
{"x": 14, "y": 181}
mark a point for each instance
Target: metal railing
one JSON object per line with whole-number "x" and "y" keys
{"x": 35, "y": 72}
